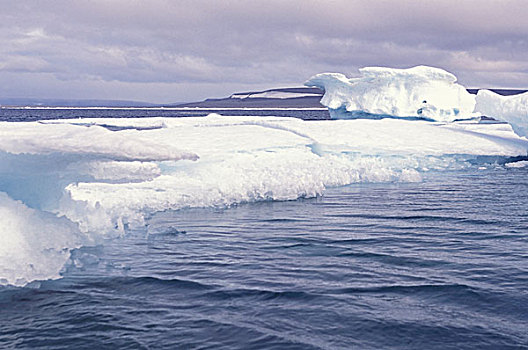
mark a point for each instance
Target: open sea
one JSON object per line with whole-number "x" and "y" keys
{"x": 439, "y": 264}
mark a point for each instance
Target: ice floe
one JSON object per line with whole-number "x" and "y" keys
{"x": 68, "y": 183}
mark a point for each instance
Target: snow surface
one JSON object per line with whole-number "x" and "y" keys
{"x": 81, "y": 139}
{"x": 68, "y": 183}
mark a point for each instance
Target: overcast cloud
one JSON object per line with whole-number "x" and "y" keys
{"x": 168, "y": 51}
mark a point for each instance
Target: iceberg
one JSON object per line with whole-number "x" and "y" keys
{"x": 418, "y": 92}
{"x": 512, "y": 109}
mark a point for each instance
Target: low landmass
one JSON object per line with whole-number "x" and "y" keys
{"x": 300, "y": 97}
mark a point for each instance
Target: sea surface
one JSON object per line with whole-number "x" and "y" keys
{"x": 35, "y": 114}
{"x": 439, "y": 264}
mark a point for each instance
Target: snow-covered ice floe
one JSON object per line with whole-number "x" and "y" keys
{"x": 415, "y": 93}
{"x": 68, "y": 183}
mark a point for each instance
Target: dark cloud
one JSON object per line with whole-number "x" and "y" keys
{"x": 185, "y": 50}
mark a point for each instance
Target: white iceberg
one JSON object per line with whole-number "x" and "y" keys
{"x": 415, "y": 93}
{"x": 512, "y": 109}
{"x": 418, "y": 92}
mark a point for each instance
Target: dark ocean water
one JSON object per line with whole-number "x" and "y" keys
{"x": 21, "y": 114}
{"x": 441, "y": 264}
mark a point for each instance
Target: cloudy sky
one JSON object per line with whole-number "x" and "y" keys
{"x": 167, "y": 51}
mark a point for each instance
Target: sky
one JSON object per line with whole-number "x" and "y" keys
{"x": 164, "y": 51}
